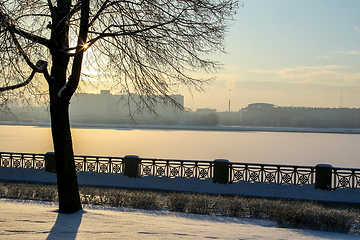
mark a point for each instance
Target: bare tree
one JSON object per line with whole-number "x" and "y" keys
{"x": 148, "y": 47}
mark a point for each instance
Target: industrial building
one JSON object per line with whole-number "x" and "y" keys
{"x": 115, "y": 108}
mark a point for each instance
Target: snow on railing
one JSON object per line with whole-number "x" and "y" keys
{"x": 221, "y": 171}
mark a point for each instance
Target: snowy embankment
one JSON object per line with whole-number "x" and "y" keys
{"x": 29, "y": 219}
{"x": 307, "y": 192}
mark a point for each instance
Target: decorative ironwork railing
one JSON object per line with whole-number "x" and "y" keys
{"x": 269, "y": 173}
{"x": 345, "y": 178}
{"x": 98, "y": 164}
{"x": 22, "y": 160}
{"x": 249, "y": 172}
{"x": 176, "y": 168}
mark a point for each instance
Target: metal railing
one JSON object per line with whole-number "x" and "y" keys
{"x": 22, "y": 160}
{"x": 345, "y": 178}
{"x": 99, "y": 164}
{"x": 249, "y": 172}
{"x": 176, "y": 168}
{"x": 270, "y": 173}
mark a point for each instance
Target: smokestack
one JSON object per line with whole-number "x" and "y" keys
{"x": 341, "y": 100}
{"x": 229, "y": 105}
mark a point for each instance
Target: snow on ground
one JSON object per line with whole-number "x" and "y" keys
{"x": 26, "y": 219}
{"x": 190, "y": 184}
{"x": 40, "y": 220}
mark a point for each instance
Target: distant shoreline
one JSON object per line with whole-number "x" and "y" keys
{"x": 194, "y": 128}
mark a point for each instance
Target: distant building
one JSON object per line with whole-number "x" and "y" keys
{"x": 265, "y": 114}
{"x": 203, "y": 117}
{"x": 26, "y": 114}
{"x": 108, "y": 108}
{"x": 229, "y": 118}
{"x": 205, "y": 110}
{"x": 210, "y": 116}
{"x": 128, "y": 108}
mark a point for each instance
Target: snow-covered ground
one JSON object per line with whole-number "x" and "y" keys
{"x": 40, "y": 220}
{"x": 24, "y": 219}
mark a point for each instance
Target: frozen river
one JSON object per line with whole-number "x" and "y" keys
{"x": 339, "y": 150}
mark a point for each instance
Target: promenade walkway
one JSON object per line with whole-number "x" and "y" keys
{"x": 189, "y": 184}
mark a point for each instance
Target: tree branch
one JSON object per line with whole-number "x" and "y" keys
{"x": 22, "y": 52}
{"x": 103, "y": 7}
{"x": 71, "y": 13}
{"x": 51, "y": 7}
{"x": 71, "y": 85}
{"x": 33, "y": 15}
{"x": 41, "y": 66}
{"x": 128, "y": 33}
{"x": 31, "y": 37}
{"x": 6, "y": 22}
{"x": 107, "y": 4}
{"x": 2, "y": 89}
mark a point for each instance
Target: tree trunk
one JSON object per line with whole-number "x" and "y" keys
{"x": 69, "y": 198}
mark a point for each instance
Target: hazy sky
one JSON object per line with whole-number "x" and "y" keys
{"x": 289, "y": 53}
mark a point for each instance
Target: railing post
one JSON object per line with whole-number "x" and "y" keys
{"x": 221, "y": 171}
{"x": 132, "y": 166}
{"x": 323, "y": 175}
{"x": 33, "y": 161}
{"x": 246, "y": 171}
{"x": 110, "y": 167}
{"x": 50, "y": 165}
{"x": 231, "y": 170}
{"x": 196, "y": 168}
{"x": 153, "y": 167}
{"x": 312, "y": 176}
{"x": 167, "y": 168}
{"x": 181, "y": 168}
{"x": 22, "y": 161}
{"x": 262, "y": 172}
{"x": 353, "y": 178}
{"x": 11, "y": 160}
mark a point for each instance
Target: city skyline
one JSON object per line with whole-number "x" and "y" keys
{"x": 106, "y": 108}
{"x": 288, "y": 53}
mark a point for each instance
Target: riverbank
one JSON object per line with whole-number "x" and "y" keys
{"x": 324, "y": 215}
{"x": 258, "y": 189}
{"x": 196, "y": 128}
